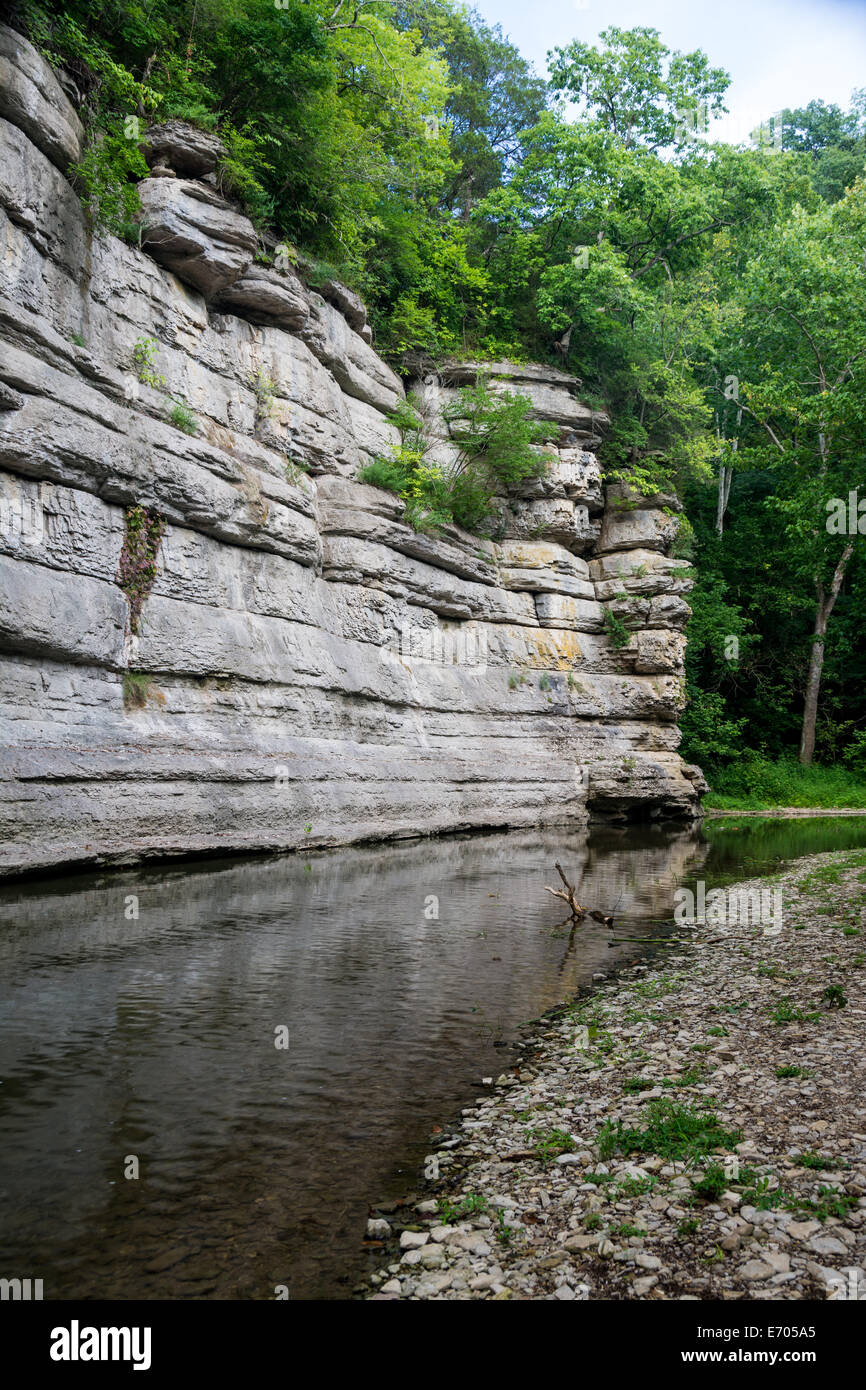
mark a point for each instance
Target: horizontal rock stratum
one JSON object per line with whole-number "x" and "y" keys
{"x": 307, "y": 670}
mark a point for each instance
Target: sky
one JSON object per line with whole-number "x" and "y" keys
{"x": 779, "y": 53}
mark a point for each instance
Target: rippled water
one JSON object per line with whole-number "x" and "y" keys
{"x": 154, "y": 1037}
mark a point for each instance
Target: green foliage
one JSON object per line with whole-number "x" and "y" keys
{"x": 471, "y": 1204}
{"x": 832, "y": 143}
{"x": 835, "y": 997}
{"x": 637, "y": 88}
{"x": 755, "y": 783}
{"x": 713, "y": 1183}
{"x": 182, "y": 417}
{"x": 136, "y": 690}
{"x": 107, "y": 173}
{"x": 144, "y": 361}
{"x": 244, "y": 170}
{"x": 497, "y": 450}
{"x": 619, "y": 634}
{"x": 496, "y": 434}
{"x": 550, "y": 1143}
{"x": 138, "y": 559}
{"x": 264, "y": 390}
{"x": 674, "y": 1132}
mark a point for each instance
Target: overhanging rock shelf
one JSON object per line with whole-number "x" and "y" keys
{"x": 310, "y": 670}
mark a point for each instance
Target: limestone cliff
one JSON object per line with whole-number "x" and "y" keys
{"x": 306, "y": 669}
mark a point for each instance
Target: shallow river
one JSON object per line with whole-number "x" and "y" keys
{"x": 150, "y": 1041}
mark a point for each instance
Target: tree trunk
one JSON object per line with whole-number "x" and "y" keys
{"x": 725, "y": 477}
{"x": 816, "y": 660}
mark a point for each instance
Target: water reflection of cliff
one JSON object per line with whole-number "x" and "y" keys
{"x": 155, "y": 1036}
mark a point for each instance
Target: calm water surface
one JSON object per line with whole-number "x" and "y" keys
{"x": 154, "y": 1038}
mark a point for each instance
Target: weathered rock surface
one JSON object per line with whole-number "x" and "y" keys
{"x": 266, "y": 296}
{"x": 33, "y": 100}
{"x": 303, "y": 655}
{"x": 187, "y": 150}
{"x": 190, "y": 229}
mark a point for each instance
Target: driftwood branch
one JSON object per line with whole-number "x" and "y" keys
{"x": 578, "y": 913}
{"x": 568, "y": 896}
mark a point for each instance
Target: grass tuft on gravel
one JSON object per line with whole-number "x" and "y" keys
{"x": 673, "y": 1132}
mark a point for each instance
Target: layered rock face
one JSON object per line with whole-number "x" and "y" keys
{"x": 307, "y": 669}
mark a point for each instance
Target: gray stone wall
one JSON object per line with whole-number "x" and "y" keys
{"x": 310, "y": 670}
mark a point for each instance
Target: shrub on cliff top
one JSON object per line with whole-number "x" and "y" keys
{"x": 497, "y": 442}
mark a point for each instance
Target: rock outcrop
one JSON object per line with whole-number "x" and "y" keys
{"x": 307, "y": 669}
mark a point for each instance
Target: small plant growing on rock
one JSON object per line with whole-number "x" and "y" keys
{"x": 689, "y": 1227}
{"x": 544, "y": 683}
{"x": 503, "y": 1233}
{"x": 498, "y": 448}
{"x": 136, "y": 688}
{"x": 616, "y": 630}
{"x": 182, "y": 417}
{"x": 813, "y": 1160}
{"x": 786, "y": 1012}
{"x": 471, "y": 1204}
{"x": 549, "y": 1144}
{"x": 713, "y": 1183}
{"x": 264, "y": 391}
{"x": 111, "y": 165}
{"x": 136, "y": 569}
{"x": 672, "y": 1131}
{"x": 144, "y": 362}
{"x": 834, "y": 997}
{"x": 296, "y": 470}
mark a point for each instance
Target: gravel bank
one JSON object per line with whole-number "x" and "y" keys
{"x": 734, "y": 1060}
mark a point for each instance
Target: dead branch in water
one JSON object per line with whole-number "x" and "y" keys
{"x": 568, "y": 896}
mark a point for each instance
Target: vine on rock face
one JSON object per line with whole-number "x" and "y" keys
{"x": 136, "y": 570}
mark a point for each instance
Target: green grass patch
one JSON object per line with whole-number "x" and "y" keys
{"x": 755, "y": 784}
{"x": 713, "y": 1183}
{"x": 786, "y": 1012}
{"x": 550, "y": 1143}
{"x": 673, "y": 1132}
{"x": 472, "y": 1204}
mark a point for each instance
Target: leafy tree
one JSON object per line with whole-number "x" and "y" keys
{"x": 494, "y": 97}
{"x": 834, "y": 141}
{"x": 802, "y": 387}
{"x": 638, "y": 89}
